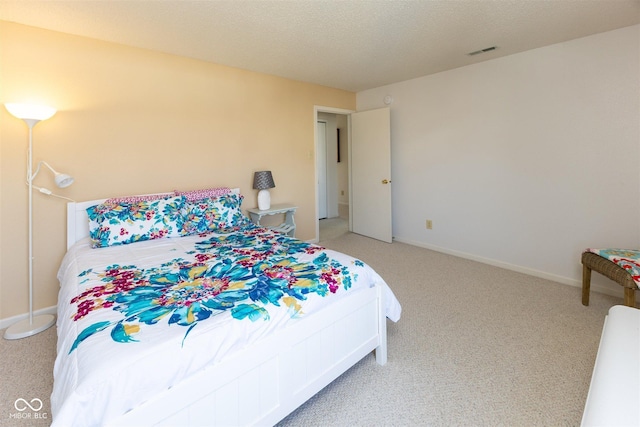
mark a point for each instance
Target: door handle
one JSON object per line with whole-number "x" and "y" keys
{"x": 386, "y": 181}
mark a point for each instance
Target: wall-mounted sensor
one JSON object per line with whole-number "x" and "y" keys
{"x": 388, "y": 100}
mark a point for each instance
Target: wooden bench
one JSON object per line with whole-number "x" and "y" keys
{"x": 591, "y": 261}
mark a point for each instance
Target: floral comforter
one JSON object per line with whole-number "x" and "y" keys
{"x": 141, "y": 317}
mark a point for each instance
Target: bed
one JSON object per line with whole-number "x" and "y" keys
{"x": 227, "y": 324}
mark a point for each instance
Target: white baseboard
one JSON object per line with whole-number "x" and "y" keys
{"x": 520, "y": 269}
{"x": 5, "y": 323}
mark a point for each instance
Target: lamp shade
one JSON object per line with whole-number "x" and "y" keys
{"x": 263, "y": 180}
{"x": 63, "y": 180}
{"x": 30, "y": 111}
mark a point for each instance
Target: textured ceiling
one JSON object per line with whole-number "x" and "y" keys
{"x": 346, "y": 44}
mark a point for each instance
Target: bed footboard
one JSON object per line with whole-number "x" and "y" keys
{"x": 263, "y": 384}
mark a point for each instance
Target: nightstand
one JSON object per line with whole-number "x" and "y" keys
{"x": 288, "y": 227}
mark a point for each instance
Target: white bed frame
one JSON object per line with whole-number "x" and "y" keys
{"x": 262, "y": 384}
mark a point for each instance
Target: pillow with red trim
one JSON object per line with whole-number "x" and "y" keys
{"x": 207, "y": 193}
{"x": 136, "y": 199}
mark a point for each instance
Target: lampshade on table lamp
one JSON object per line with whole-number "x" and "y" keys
{"x": 263, "y": 181}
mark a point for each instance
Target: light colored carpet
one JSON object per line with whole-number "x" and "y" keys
{"x": 332, "y": 228}
{"x": 26, "y": 372}
{"x": 476, "y": 346}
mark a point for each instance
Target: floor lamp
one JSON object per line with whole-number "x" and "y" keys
{"x": 32, "y": 114}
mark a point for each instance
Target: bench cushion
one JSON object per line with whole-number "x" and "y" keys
{"x": 628, "y": 259}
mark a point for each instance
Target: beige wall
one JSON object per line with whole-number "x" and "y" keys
{"x": 134, "y": 121}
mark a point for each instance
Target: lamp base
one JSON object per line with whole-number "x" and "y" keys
{"x": 264, "y": 200}
{"x": 24, "y": 328}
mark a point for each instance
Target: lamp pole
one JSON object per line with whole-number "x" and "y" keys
{"x": 31, "y": 123}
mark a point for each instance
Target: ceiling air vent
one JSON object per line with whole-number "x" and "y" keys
{"x": 485, "y": 50}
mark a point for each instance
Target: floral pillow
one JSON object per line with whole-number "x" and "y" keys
{"x": 122, "y": 223}
{"x": 221, "y": 214}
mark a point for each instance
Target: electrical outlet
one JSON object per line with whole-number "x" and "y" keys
{"x": 429, "y": 224}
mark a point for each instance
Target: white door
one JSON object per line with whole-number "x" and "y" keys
{"x": 321, "y": 167}
{"x": 371, "y": 174}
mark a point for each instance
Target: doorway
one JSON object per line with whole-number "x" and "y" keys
{"x": 368, "y": 150}
{"x": 332, "y": 174}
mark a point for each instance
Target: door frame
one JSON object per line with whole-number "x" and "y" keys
{"x": 332, "y": 110}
